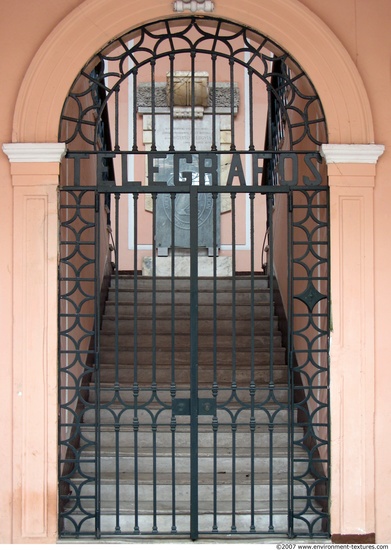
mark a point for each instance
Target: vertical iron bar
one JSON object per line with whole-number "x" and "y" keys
{"x": 153, "y": 107}
{"x": 233, "y": 228}
{"x": 117, "y": 480}
{"x": 215, "y": 383}
{"x": 173, "y": 472}
{"x": 194, "y": 362}
{"x": 251, "y": 108}
{"x": 116, "y": 274}
{"x": 215, "y": 428}
{"x": 173, "y": 377}
{"x": 214, "y": 240}
{"x": 116, "y": 382}
{"x": 136, "y": 529}
{"x": 135, "y": 285}
{"x": 252, "y": 383}
{"x": 154, "y": 203}
{"x": 233, "y": 523}
{"x": 97, "y": 374}
{"x": 135, "y": 73}
{"x": 172, "y": 145}
{"x": 271, "y": 351}
{"x": 270, "y": 113}
{"x": 252, "y": 282}
{"x": 271, "y": 289}
{"x": 193, "y": 145}
{"x": 271, "y": 475}
{"x": 116, "y": 121}
{"x": 214, "y": 145}
{"x": 173, "y": 199}
{"x": 154, "y": 475}
{"x": 291, "y": 420}
{"x": 124, "y": 168}
{"x": 232, "y": 96}
{"x": 153, "y": 384}
{"x": 234, "y": 383}
{"x": 269, "y": 163}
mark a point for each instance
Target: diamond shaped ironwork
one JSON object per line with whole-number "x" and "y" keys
{"x": 311, "y": 296}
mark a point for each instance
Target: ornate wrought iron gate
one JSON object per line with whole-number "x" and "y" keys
{"x": 193, "y": 401}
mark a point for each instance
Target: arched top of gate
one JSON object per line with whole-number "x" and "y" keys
{"x": 96, "y": 22}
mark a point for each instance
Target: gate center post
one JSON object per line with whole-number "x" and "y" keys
{"x": 193, "y": 362}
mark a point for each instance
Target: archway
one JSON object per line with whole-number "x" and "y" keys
{"x": 208, "y": 118}
{"x": 334, "y": 75}
{"x": 92, "y": 25}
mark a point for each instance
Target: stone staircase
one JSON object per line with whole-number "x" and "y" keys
{"x": 145, "y": 461}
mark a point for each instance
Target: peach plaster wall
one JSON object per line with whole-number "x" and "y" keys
{"x": 35, "y": 174}
{"x": 349, "y": 118}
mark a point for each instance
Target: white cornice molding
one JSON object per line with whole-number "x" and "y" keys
{"x": 351, "y": 153}
{"x": 193, "y": 5}
{"x": 34, "y": 152}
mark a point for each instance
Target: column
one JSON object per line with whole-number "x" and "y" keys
{"x": 35, "y": 175}
{"x": 351, "y": 173}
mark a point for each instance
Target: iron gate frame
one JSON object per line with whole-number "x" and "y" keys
{"x": 310, "y": 298}
{"x": 279, "y": 113}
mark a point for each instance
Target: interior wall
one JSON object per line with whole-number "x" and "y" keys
{"x": 138, "y": 164}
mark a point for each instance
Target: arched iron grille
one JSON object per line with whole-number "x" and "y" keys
{"x": 217, "y": 423}
{"x": 225, "y": 45}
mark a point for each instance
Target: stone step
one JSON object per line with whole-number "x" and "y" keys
{"x": 126, "y": 281}
{"x": 223, "y": 341}
{"x": 109, "y": 393}
{"x": 182, "y": 375}
{"x": 270, "y": 415}
{"x": 243, "y": 297}
{"x": 124, "y": 462}
{"x": 164, "y": 503}
{"x": 164, "y": 506}
{"x": 125, "y": 324}
{"x": 205, "y": 311}
{"x": 146, "y": 488}
{"x": 243, "y": 522}
{"x": 109, "y": 436}
{"x": 163, "y": 356}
